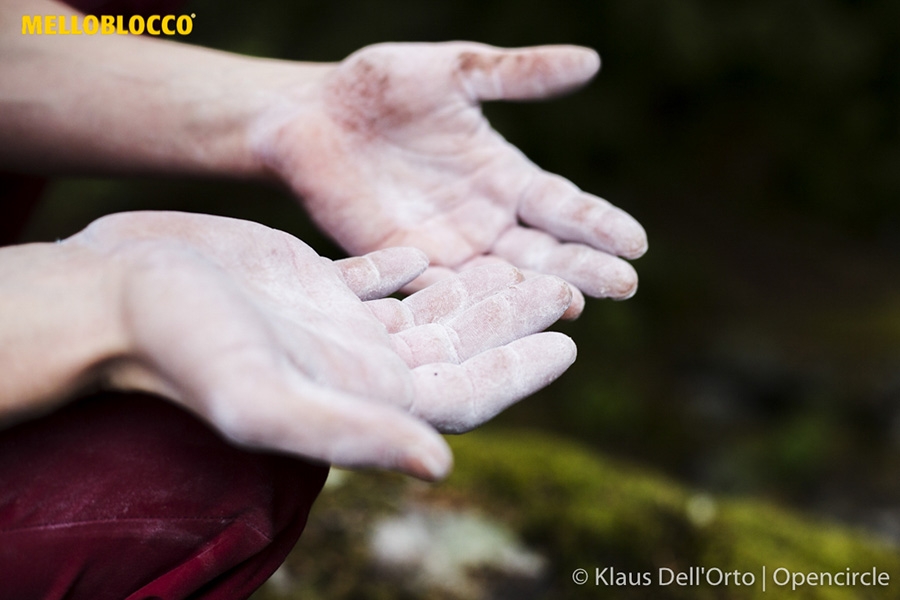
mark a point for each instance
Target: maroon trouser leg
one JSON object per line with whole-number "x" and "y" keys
{"x": 127, "y": 496}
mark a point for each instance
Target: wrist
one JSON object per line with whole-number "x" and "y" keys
{"x": 59, "y": 325}
{"x": 279, "y": 93}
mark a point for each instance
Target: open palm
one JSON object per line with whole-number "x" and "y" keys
{"x": 396, "y": 151}
{"x": 280, "y": 348}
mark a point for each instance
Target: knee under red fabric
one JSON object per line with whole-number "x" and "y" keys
{"x": 127, "y": 496}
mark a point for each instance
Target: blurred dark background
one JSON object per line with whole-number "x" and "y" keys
{"x": 759, "y": 144}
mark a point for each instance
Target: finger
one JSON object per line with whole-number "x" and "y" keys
{"x": 429, "y": 277}
{"x": 521, "y": 310}
{"x": 434, "y": 274}
{"x": 489, "y": 73}
{"x": 397, "y": 316}
{"x": 555, "y": 205}
{"x": 328, "y": 425}
{"x": 576, "y": 305}
{"x": 469, "y": 290}
{"x": 595, "y": 273}
{"x": 499, "y": 319}
{"x": 458, "y": 398}
{"x": 453, "y": 295}
{"x": 392, "y": 313}
{"x": 429, "y": 343}
{"x": 382, "y": 272}
{"x": 396, "y": 320}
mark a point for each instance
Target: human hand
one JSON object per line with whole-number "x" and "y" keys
{"x": 395, "y": 151}
{"x": 279, "y": 348}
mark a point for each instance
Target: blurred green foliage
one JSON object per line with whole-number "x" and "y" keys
{"x": 759, "y": 144}
{"x": 578, "y": 510}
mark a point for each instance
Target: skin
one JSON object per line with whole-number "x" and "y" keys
{"x": 404, "y": 156}
{"x": 272, "y": 344}
{"x": 388, "y": 147}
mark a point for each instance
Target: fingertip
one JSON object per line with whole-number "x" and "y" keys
{"x": 418, "y": 257}
{"x": 591, "y": 60}
{"x": 576, "y": 305}
{"x": 639, "y": 248}
{"x": 579, "y": 62}
{"x": 632, "y": 236}
{"x": 400, "y": 264}
{"x": 431, "y": 461}
{"x": 611, "y": 277}
{"x": 626, "y": 283}
{"x": 582, "y": 64}
{"x": 380, "y": 273}
{"x": 565, "y": 293}
{"x": 558, "y": 293}
{"x": 386, "y": 437}
{"x": 525, "y": 73}
{"x": 561, "y": 348}
{"x": 567, "y": 347}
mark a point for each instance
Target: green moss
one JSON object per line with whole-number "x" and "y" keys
{"x": 584, "y": 510}
{"x": 578, "y": 510}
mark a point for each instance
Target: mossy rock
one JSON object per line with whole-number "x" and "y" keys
{"x": 523, "y": 511}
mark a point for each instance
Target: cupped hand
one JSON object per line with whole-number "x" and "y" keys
{"x": 282, "y": 349}
{"x": 395, "y": 151}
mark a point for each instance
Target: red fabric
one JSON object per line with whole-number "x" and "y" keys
{"x": 127, "y": 496}
{"x": 18, "y": 196}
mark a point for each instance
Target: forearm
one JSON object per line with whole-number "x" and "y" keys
{"x": 58, "y": 323}
{"x": 132, "y": 104}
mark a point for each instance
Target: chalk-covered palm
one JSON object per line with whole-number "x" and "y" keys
{"x": 283, "y": 349}
{"x": 394, "y": 150}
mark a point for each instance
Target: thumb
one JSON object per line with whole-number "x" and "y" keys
{"x": 305, "y": 418}
{"x": 489, "y": 73}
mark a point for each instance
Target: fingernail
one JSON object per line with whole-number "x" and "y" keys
{"x": 628, "y": 283}
{"x": 431, "y": 463}
{"x": 629, "y": 237}
{"x": 592, "y": 60}
{"x": 576, "y": 306}
{"x": 619, "y": 281}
